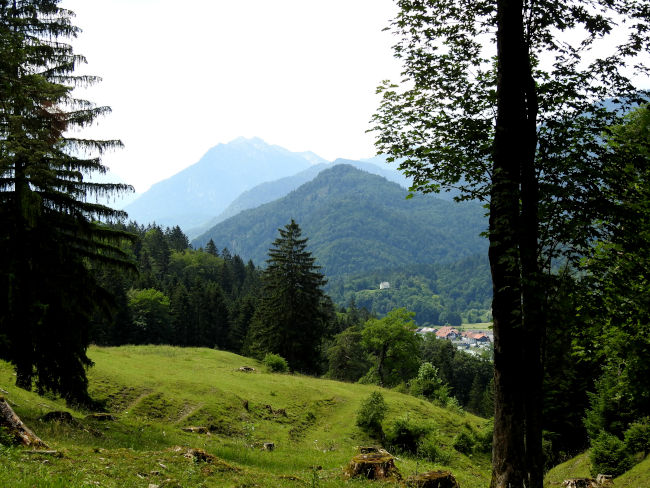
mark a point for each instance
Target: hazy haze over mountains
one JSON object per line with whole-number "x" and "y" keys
{"x": 205, "y": 189}
{"x": 233, "y": 177}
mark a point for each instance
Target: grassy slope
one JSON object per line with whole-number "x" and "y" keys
{"x": 157, "y": 390}
{"x": 580, "y": 467}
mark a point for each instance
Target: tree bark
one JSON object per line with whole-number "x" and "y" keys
{"x": 513, "y": 246}
{"x": 534, "y": 316}
{"x": 14, "y": 426}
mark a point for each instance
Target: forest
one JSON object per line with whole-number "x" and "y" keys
{"x": 548, "y": 134}
{"x": 210, "y": 298}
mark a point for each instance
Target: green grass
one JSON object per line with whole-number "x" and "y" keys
{"x": 577, "y": 467}
{"x": 155, "y": 391}
{"x": 580, "y": 467}
{"x": 636, "y": 477}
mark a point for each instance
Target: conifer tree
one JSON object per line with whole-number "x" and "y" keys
{"x": 291, "y": 316}
{"x": 50, "y": 233}
{"x": 211, "y": 248}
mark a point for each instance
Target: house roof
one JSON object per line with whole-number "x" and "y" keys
{"x": 478, "y": 336}
{"x": 446, "y": 331}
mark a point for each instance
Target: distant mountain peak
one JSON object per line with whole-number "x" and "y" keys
{"x": 204, "y": 189}
{"x": 249, "y": 140}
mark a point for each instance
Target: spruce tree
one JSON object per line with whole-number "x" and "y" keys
{"x": 211, "y": 248}
{"x": 50, "y": 234}
{"x": 291, "y": 316}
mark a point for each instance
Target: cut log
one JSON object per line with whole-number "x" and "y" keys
{"x": 15, "y": 427}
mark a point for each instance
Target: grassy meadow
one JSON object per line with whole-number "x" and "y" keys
{"x": 154, "y": 391}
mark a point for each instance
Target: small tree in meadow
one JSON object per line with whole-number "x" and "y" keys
{"x": 371, "y": 413}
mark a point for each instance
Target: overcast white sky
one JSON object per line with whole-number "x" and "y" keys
{"x": 182, "y": 77}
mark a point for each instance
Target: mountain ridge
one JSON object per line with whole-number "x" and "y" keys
{"x": 272, "y": 190}
{"x": 357, "y": 221}
{"x": 199, "y": 192}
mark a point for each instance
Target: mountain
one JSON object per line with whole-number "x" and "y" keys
{"x": 356, "y": 222}
{"x": 203, "y": 190}
{"x": 272, "y": 190}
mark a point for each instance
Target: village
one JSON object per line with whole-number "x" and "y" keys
{"x": 471, "y": 341}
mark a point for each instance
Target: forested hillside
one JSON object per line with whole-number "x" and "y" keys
{"x": 358, "y": 222}
{"x": 272, "y": 190}
{"x": 438, "y": 294}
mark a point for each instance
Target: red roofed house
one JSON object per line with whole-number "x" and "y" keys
{"x": 447, "y": 332}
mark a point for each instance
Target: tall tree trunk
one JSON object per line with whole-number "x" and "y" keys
{"x": 534, "y": 318}
{"x": 511, "y": 155}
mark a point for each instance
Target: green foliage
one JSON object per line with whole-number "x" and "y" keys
{"x": 468, "y": 377}
{"x": 429, "y": 385}
{"x": 496, "y": 122}
{"x": 609, "y": 455}
{"x": 429, "y": 448}
{"x": 293, "y": 312}
{"x": 617, "y": 316}
{"x": 464, "y": 442}
{"x": 358, "y": 222}
{"x": 200, "y": 299}
{"x": 451, "y": 289}
{"x": 393, "y": 345}
{"x": 151, "y": 319}
{"x": 371, "y": 413}
{"x": 6, "y": 437}
{"x": 405, "y": 435}
{"x": 52, "y": 232}
{"x": 346, "y": 358}
{"x": 484, "y": 438}
{"x": 637, "y": 436}
{"x": 275, "y": 363}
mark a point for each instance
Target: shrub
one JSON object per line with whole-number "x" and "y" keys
{"x": 637, "y": 436}
{"x": 464, "y": 442}
{"x": 609, "y": 455}
{"x": 275, "y": 363}
{"x": 428, "y": 384}
{"x": 371, "y": 413}
{"x": 405, "y": 435}
{"x": 484, "y": 438}
{"x": 429, "y": 449}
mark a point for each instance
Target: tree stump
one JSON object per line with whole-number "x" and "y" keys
{"x": 199, "y": 455}
{"x": 373, "y": 464}
{"x": 433, "y": 479}
{"x": 605, "y": 480}
{"x": 580, "y": 483}
{"x": 15, "y": 427}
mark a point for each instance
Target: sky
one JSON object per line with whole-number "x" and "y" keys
{"x": 182, "y": 77}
